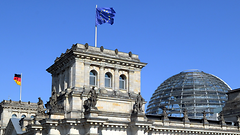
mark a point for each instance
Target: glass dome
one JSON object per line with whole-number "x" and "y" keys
{"x": 192, "y": 90}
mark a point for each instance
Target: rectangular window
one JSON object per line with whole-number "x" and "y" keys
{"x": 107, "y": 83}
{"x": 121, "y": 84}
{"x": 92, "y": 80}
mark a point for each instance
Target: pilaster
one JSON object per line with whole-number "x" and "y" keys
{"x": 79, "y": 73}
{"x": 116, "y": 79}
{"x": 101, "y": 77}
{"x": 131, "y": 81}
{"x": 86, "y": 73}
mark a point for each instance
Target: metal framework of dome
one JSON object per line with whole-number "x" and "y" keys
{"x": 191, "y": 90}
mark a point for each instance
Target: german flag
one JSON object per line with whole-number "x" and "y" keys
{"x": 17, "y": 79}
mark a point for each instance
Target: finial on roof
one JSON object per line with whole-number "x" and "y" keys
{"x": 86, "y": 46}
{"x": 116, "y": 51}
{"x": 130, "y": 54}
{"x": 101, "y": 48}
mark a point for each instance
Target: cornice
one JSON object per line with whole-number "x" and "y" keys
{"x": 98, "y": 55}
{"x": 109, "y": 60}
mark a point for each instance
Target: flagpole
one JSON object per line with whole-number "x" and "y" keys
{"x": 96, "y": 30}
{"x": 21, "y": 88}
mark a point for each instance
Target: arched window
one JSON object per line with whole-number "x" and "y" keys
{"x": 14, "y": 116}
{"x": 108, "y": 80}
{"x": 23, "y": 116}
{"x": 93, "y": 78}
{"x": 32, "y": 116}
{"x": 122, "y": 82}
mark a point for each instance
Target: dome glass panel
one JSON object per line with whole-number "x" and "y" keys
{"x": 193, "y": 90}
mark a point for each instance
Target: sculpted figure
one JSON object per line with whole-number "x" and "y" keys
{"x": 139, "y": 102}
{"x": 137, "y": 107}
{"x": 91, "y": 101}
{"x": 92, "y": 97}
{"x": 40, "y": 108}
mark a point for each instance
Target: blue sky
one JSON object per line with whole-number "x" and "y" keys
{"x": 169, "y": 35}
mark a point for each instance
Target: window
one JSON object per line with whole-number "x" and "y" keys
{"x": 122, "y": 82}
{"x": 23, "y": 116}
{"x": 108, "y": 80}
{"x": 93, "y": 78}
{"x": 32, "y": 116}
{"x": 14, "y": 116}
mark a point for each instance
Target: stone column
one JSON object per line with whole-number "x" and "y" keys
{"x": 131, "y": 81}
{"x": 116, "y": 79}
{"x": 101, "y": 77}
{"x": 86, "y": 74}
{"x": 59, "y": 83}
{"x": 65, "y": 80}
{"x": 70, "y": 77}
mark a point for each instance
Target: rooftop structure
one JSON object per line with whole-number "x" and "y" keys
{"x": 191, "y": 90}
{"x": 96, "y": 91}
{"x": 15, "y": 109}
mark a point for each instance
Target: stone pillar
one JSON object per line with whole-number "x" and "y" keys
{"x": 86, "y": 73}
{"x": 79, "y": 73}
{"x": 70, "y": 77}
{"x": 59, "y": 83}
{"x": 101, "y": 77}
{"x": 116, "y": 79}
{"x": 131, "y": 81}
{"x": 65, "y": 79}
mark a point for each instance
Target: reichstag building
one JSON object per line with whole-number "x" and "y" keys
{"x": 96, "y": 91}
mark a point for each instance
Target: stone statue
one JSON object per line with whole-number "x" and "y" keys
{"x": 91, "y": 101}
{"x": 185, "y": 117}
{"x": 137, "y": 107}
{"x": 55, "y": 106}
{"x": 40, "y": 108}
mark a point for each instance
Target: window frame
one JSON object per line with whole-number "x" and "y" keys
{"x": 94, "y": 77}
{"x": 122, "y": 81}
{"x": 108, "y": 79}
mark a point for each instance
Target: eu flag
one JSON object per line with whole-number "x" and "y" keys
{"x": 104, "y": 15}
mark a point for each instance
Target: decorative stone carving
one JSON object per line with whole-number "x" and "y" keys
{"x": 130, "y": 54}
{"x": 116, "y": 51}
{"x": 137, "y": 107}
{"x": 91, "y": 101}
{"x": 101, "y": 48}
{"x": 86, "y": 46}
{"x": 55, "y": 107}
{"x": 40, "y": 108}
{"x": 185, "y": 117}
{"x": 165, "y": 115}
{"x": 221, "y": 118}
{"x": 238, "y": 121}
{"x": 204, "y": 118}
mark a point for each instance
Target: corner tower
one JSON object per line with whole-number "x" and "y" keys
{"x": 114, "y": 74}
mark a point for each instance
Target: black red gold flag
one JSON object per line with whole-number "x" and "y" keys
{"x": 17, "y": 79}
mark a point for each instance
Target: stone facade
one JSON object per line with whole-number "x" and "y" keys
{"x": 231, "y": 111}
{"x": 9, "y": 109}
{"x": 96, "y": 91}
